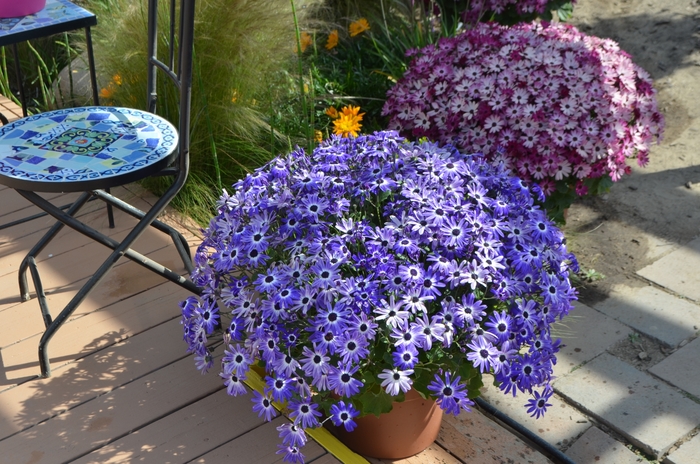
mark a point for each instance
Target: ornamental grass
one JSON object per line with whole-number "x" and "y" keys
{"x": 242, "y": 50}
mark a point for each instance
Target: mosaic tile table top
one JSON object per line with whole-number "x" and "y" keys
{"x": 57, "y": 16}
{"x": 57, "y": 150}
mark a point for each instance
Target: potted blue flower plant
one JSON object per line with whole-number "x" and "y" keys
{"x": 373, "y": 266}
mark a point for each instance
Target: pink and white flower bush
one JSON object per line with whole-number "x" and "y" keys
{"x": 558, "y": 107}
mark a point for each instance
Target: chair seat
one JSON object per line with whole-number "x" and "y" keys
{"x": 83, "y": 149}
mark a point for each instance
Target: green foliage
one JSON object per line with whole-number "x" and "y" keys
{"x": 41, "y": 61}
{"x": 376, "y": 401}
{"x": 361, "y": 69}
{"x": 591, "y": 275}
{"x": 565, "y": 194}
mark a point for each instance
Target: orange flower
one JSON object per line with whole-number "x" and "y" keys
{"x": 107, "y": 92}
{"x": 348, "y": 122}
{"x": 332, "y": 40}
{"x": 358, "y": 27}
{"x": 332, "y": 112}
{"x": 305, "y": 40}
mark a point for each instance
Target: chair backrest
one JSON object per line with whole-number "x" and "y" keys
{"x": 180, "y": 40}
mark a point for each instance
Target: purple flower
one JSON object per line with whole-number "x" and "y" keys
{"x": 377, "y": 259}
{"x": 292, "y": 435}
{"x": 484, "y": 355}
{"x": 234, "y": 383}
{"x": 342, "y": 382}
{"x": 538, "y": 405}
{"x": 304, "y": 413}
{"x": 262, "y": 404}
{"x": 450, "y": 393}
{"x": 343, "y": 414}
{"x": 405, "y": 356}
{"x": 395, "y": 380}
{"x": 280, "y": 388}
{"x": 292, "y": 454}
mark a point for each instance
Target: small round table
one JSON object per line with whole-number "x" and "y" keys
{"x": 81, "y": 149}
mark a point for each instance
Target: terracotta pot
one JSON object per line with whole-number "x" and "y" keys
{"x": 408, "y": 429}
{"x": 15, "y": 8}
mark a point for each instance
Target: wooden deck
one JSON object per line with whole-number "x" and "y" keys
{"x": 122, "y": 389}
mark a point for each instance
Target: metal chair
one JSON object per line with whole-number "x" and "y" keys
{"x": 92, "y": 149}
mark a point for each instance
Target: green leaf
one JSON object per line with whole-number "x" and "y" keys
{"x": 565, "y": 12}
{"x": 474, "y": 387}
{"x": 467, "y": 371}
{"x": 376, "y": 403}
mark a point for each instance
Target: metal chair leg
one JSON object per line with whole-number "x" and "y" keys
{"x": 40, "y": 294}
{"x": 179, "y": 240}
{"x": 41, "y": 244}
{"x": 119, "y": 250}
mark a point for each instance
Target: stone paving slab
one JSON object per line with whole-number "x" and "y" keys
{"x": 597, "y": 447}
{"x": 678, "y": 271}
{"x": 687, "y": 453}
{"x": 585, "y": 333}
{"x": 650, "y": 414}
{"x": 560, "y": 426}
{"x": 653, "y": 312}
{"x": 487, "y": 442}
{"x": 682, "y": 368}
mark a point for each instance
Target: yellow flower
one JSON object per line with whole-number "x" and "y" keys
{"x": 332, "y": 40}
{"x": 318, "y": 136}
{"x": 117, "y": 79}
{"x": 348, "y": 122}
{"x": 234, "y": 96}
{"x": 332, "y": 112}
{"x": 305, "y": 40}
{"x": 358, "y": 27}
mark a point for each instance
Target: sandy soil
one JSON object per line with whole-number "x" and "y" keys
{"x": 656, "y": 209}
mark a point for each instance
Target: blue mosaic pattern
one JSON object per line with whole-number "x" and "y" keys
{"x": 55, "y": 12}
{"x": 83, "y": 144}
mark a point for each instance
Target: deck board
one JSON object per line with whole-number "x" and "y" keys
{"x": 183, "y": 435}
{"x": 254, "y": 447}
{"x": 123, "y": 388}
{"x": 66, "y": 275}
{"x": 434, "y": 454}
{"x": 114, "y": 414}
{"x": 325, "y": 459}
{"x": 113, "y": 360}
{"x": 11, "y": 110}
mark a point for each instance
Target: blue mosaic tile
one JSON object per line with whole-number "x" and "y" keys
{"x": 55, "y": 12}
{"x": 65, "y": 145}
